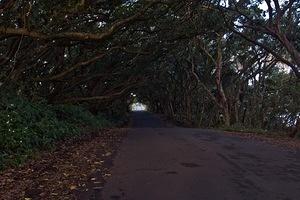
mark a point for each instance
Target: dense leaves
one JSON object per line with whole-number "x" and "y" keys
{"x": 28, "y": 126}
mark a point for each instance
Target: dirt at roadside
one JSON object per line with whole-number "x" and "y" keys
{"x": 280, "y": 141}
{"x": 64, "y": 172}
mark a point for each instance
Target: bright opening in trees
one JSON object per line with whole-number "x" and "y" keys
{"x": 138, "y": 107}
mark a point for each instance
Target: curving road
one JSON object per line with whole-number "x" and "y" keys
{"x": 157, "y": 162}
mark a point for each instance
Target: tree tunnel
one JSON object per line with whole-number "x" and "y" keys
{"x": 198, "y": 62}
{"x": 74, "y": 67}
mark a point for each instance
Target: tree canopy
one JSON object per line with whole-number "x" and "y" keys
{"x": 201, "y": 62}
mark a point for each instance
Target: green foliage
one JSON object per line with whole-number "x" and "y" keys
{"x": 26, "y": 126}
{"x": 78, "y": 115}
{"x": 283, "y": 91}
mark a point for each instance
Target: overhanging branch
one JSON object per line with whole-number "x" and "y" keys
{"x": 76, "y": 36}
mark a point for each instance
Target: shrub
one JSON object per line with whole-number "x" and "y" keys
{"x": 80, "y": 116}
{"x": 26, "y": 127}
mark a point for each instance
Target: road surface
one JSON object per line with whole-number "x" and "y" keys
{"x": 157, "y": 162}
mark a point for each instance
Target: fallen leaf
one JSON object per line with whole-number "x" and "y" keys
{"x": 73, "y": 187}
{"x": 65, "y": 174}
{"x": 108, "y": 154}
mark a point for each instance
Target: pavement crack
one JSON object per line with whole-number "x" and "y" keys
{"x": 190, "y": 165}
{"x": 231, "y": 162}
{"x": 149, "y": 169}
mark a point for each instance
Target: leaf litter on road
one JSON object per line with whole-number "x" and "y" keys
{"x": 63, "y": 172}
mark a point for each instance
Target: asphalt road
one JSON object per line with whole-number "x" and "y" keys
{"x": 156, "y": 162}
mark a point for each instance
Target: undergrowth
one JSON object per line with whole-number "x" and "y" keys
{"x": 26, "y": 127}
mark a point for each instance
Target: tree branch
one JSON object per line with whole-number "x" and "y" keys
{"x": 76, "y": 36}
{"x": 268, "y": 49}
{"x": 99, "y": 98}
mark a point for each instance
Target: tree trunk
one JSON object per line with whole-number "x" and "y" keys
{"x": 221, "y": 94}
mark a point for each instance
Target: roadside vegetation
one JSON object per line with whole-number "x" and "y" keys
{"x": 27, "y": 127}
